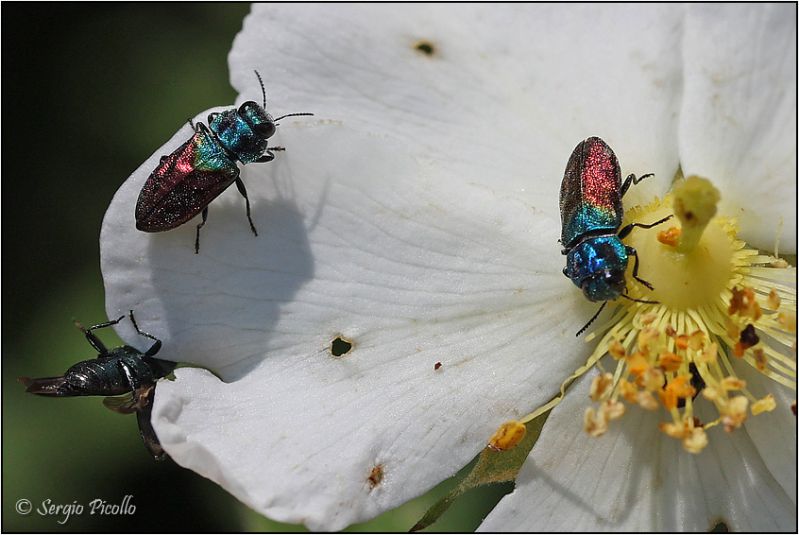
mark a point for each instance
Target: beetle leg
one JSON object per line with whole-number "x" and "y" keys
{"x": 155, "y": 347}
{"x": 626, "y": 230}
{"x": 640, "y": 300}
{"x": 581, "y": 331}
{"x": 146, "y": 430}
{"x": 632, "y": 179}
{"x": 633, "y": 252}
{"x": 197, "y": 238}
{"x": 143, "y": 402}
{"x": 92, "y": 338}
{"x": 243, "y": 191}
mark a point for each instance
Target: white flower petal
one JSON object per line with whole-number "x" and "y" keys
{"x": 422, "y": 244}
{"x": 773, "y": 433}
{"x": 357, "y": 239}
{"x": 738, "y": 120}
{"x": 505, "y": 97}
{"x": 634, "y": 478}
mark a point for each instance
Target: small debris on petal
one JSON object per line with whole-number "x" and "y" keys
{"x": 437, "y": 366}
{"x": 375, "y": 476}
{"x": 507, "y": 436}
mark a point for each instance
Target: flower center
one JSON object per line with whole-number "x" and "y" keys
{"x": 717, "y": 306}
{"x": 681, "y": 280}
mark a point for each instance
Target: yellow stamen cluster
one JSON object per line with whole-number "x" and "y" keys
{"x": 714, "y": 302}
{"x": 679, "y": 352}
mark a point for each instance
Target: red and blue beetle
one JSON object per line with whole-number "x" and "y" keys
{"x": 591, "y": 213}
{"x": 186, "y": 181}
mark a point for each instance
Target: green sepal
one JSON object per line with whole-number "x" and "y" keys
{"x": 492, "y": 467}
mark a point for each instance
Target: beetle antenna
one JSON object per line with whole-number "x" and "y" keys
{"x": 292, "y": 115}
{"x": 263, "y": 89}
{"x": 581, "y": 331}
{"x": 640, "y": 300}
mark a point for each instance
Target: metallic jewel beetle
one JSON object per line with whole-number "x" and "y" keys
{"x": 122, "y": 371}
{"x": 197, "y": 172}
{"x": 591, "y": 213}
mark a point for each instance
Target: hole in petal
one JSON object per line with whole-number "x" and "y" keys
{"x": 340, "y": 346}
{"x": 425, "y": 47}
{"x": 375, "y": 476}
{"x": 720, "y": 527}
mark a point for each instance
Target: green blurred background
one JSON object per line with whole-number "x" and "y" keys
{"x": 89, "y": 92}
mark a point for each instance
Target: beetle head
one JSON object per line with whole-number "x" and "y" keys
{"x": 604, "y": 285}
{"x": 256, "y": 117}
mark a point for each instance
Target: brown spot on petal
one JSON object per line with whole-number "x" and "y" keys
{"x": 375, "y": 476}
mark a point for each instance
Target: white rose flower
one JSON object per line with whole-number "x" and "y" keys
{"x": 404, "y": 296}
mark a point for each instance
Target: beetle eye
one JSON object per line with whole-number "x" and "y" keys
{"x": 247, "y": 107}
{"x": 212, "y": 117}
{"x": 266, "y": 129}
